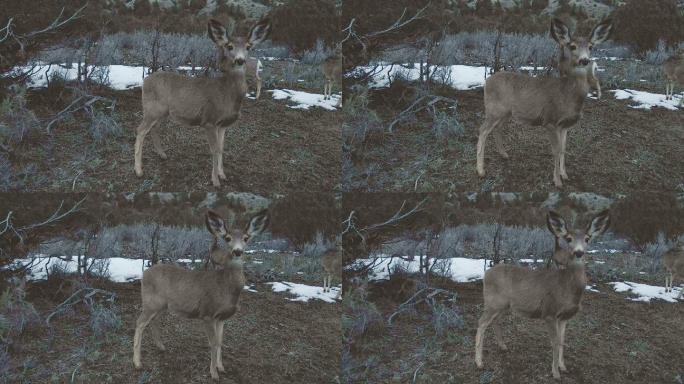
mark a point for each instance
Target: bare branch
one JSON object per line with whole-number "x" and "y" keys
{"x": 56, "y": 216}
{"x": 57, "y": 22}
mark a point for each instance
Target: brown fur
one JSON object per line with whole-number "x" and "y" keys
{"x": 551, "y": 294}
{"x": 555, "y": 103}
{"x": 211, "y": 295}
{"x": 332, "y": 264}
{"x": 253, "y": 74}
{"x": 211, "y": 103}
{"x": 673, "y": 68}
{"x": 673, "y": 260}
{"x": 332, "y": 70}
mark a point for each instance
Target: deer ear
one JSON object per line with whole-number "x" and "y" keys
{"x": 217, "y": 32}
{"x": 556, "y": 224}
{"x": 215, "y": 224}
{"x": 599, "y": 223}
{"x": 259, "y": 31}
{"x": 601, "y": 31}
{"x": 258, "y": 223}
{"x": 560, "y": 32}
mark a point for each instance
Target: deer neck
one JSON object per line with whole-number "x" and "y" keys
{"x": 234, "y": 81}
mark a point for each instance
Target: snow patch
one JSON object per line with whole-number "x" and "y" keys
{"x": 647, "y": 100}
{"x": 306, "y": 100}
{"x": 458, "y": 269}
{"x": 461, "y": 77}
{"x": 304, "y": 293}
{"x": 645, "y": 292}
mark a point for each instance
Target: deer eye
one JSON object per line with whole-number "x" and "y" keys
{"x": 587, "y": 238}
{"x": 568, "y": 239}
{"x": 245, "y": 238}
{"x": 230, "y": 47}
{"x": 248, "y": 46}
{"x": 229, "y": 239}
{"x": 573, "y": 47}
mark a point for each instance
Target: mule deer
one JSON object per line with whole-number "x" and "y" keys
{"x": 551, "y": 294}
{"x": 555, "y": 103}
{"x": 211, "y": 295}
{"x": 254, "y": 71}
{"x": 332, "y": 70}
{"x": 211, "y": 103}
{"x": 674, "y": 73}
{"x": 674, "y": 265}
{"x": 332, "y": 264}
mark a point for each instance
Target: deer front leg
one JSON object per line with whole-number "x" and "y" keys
{"x": 221, "y": 137}
{"x": 554, "y": 137}
{"x": 561, "y": 333}
{"x": 141, "y": 132}
{"x": 219, "y": 335}
{"x": 210, "y": 330}
{"x": 212, "y": 137}
{"x": 555, "y": 344}
{"x": 563, "y": 143}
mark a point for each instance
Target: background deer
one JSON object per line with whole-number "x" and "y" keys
{"x": 254, "y": 67}
{"x": 552, "y": 294}
{"x": 211, "y": 295}
{"x": 211, "y": 103}
{"x": 332, "y": 264}
{"x": 555, "y": 103}
{"x": 673, "y": 260}
{"x": 332, "y": 70}
{"x": 673, "y": 68}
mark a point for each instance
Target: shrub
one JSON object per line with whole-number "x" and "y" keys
{"x": 316, "y": 19}
{"x": 642, "y": 24}
{"x": 16, "y": 120}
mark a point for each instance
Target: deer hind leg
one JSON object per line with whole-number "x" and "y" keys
{"x": 219, "y": 334}
{"x": 212, "y": 137}
{"x": 156, "y": 141}
{"x": 145, "y": 317}
{"x": 554, "y": 137}
{"x": 142, "y": 131}
{"x": 498, "y": 139}
{"x": 498, "y": 332}
{"x": 210, "y": 330}
{"x": 552, "y": 325}
{"x": 561, "y": 333}
{"x": 221, "y": 140}
{"x": 490, "y": 124}
{"x": 487, "y": 317}
{"x": 156, "y": 334}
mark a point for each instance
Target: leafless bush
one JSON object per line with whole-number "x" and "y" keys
{"x": 317, "y": 54}
{"x": 16, "y": 314}
{"x": 661, "y": 53}
{"x": 16, "y": 120}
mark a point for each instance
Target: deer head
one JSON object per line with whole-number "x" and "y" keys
{"x": 571, "y": 244}
{"x": 580, "y": 47}
{"x": 229, "y": 241}
{"x": 233, "y": 51}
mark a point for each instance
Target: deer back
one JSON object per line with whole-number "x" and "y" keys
{"x": 674, "y": 261}
{"x": 674, "y": 68}
{"x": 194, "y": 294}
{"x": 535, "y": 293}
{"x": 537, "y": 100}
{"x": 195, "y": 100}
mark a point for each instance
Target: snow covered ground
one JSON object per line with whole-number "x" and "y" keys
{"x": 304, "y": 293}
{"x": 306, "y": 100}
{"x": 459, "y": 269}
{"x": 122, "y": 270}
{"x": 460, "y": 77}
{"x": 647, "y": 100}
{"x": 645, "y": 292}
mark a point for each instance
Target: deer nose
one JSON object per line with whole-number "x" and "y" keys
{"x": 239, "y": 61}
{"x": 584, "y": 61}
{"x": 578, "y": 254}
{"x": 237, "y": 252}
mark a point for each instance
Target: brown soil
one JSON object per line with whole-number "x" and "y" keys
{"x": 611, "y": 340}
{"x": 271, "y": 149}
{"x": 615, "y": 148}
{"x": 269, "y": 340}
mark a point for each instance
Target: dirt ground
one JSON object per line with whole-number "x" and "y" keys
{"x": 611, "y": 340}
{"x": 269, "y": 340}
{"x": 271, "y": 149}
{"x": 615, "y": 148}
